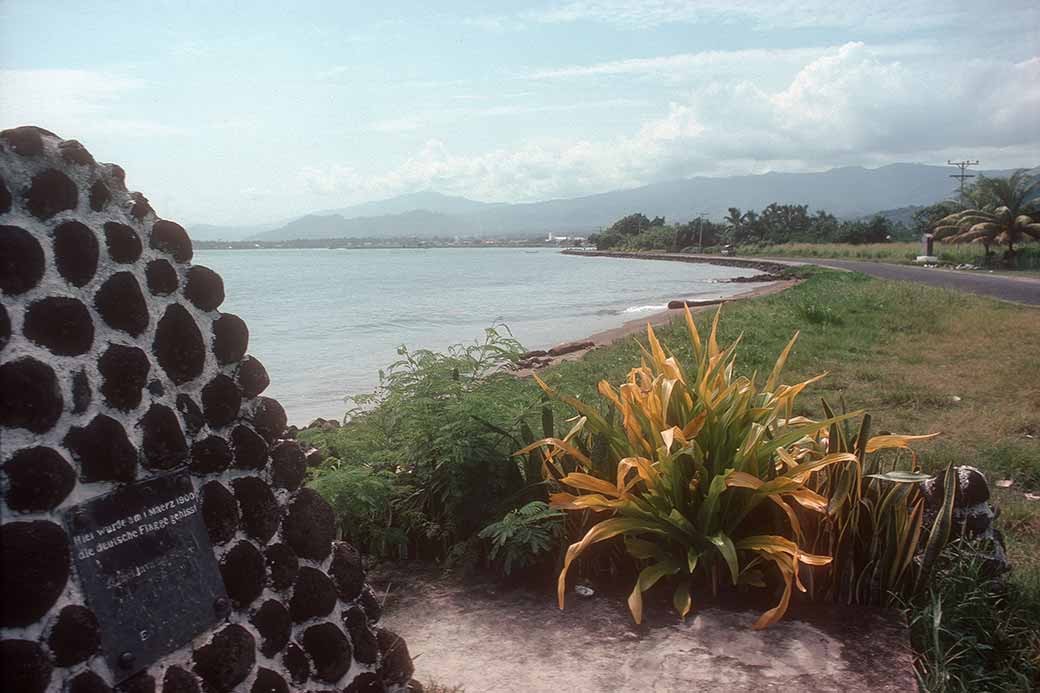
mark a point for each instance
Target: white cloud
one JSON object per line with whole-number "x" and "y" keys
{"x": 848, "y": 106}
{"x": 73, "y": 101}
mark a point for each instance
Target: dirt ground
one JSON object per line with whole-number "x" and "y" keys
{"x": 486, "y": 638}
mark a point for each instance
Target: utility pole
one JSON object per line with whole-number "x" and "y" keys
{"x": 963, "y": 175}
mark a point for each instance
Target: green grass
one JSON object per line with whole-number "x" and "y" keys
{"x": 920, "y": 359}
{"x": 899, "y": 253}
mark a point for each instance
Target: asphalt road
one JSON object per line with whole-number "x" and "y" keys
{"x": 1015, "y": 289}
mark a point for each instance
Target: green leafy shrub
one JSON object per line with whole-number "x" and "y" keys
{"x": 523, "y": 536}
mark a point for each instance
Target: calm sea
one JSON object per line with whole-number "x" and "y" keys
{"x": 324, "y": 322}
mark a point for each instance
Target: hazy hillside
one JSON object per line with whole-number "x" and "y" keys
{"x": 851, "y": 192}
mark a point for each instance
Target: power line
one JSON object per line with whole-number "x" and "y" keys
{"x": 963, "y": 175}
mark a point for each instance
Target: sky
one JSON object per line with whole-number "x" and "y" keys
{"x": 248, "y": 112}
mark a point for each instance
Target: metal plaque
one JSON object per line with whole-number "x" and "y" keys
{"x": 147, "y": 569}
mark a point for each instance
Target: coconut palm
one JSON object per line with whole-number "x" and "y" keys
{"x": 1006, "y": 211}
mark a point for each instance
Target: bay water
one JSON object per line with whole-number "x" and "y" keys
{"x": 323, "y": 322}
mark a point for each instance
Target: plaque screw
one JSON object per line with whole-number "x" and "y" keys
{"x": 222, "y": 606}
{"x": 126, "y": 660}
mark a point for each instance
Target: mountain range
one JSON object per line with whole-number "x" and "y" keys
{"x": 850, "y": 192}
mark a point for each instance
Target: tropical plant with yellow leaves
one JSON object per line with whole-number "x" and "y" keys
{"x": 695, "y": 453}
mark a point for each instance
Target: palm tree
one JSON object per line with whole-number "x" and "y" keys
{"x": 1006, "y": 210}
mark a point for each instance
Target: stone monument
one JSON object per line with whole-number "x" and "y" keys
{"x": 156, "y": 533}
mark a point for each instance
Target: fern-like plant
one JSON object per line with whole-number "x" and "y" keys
{"x": 523, "y": 535}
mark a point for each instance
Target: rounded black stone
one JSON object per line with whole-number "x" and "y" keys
{"x": 252, "y": 377}
{"x": 366, "y": 682}
{"x": 260, "y": 510}
{"x": 5, "y": 198}
{"x": 269, "y": 418}
{"x": 210, "y": 455}
{"x": 124, "y": 245}
{"x": 371, "y": 604}
{"x": 230, "y": 338}
{"x": 21, "y": 261}
{"x": 61, "y": 325}
{"x": 81, "y": 394}
{"x": 288, "y": 465}
{"x": 5, "y": 328}
{"x": 36, "y": 564}
{"x": 221, "y": 401}
{"x": 178, "y": 345}
{"x": 30, "y": 396}
{"x": 124, "y": 372}
{"x": 103, "y": 450}
{"x": 192, "y": 414}
{"x": 329, "y": 649}
{"x": 156, "y": 388}
{"x": 88, "y": 682}
{"x": 366, "y": 647}
{"x": 219, "y": 512}
{"x": 99, "y": 196}
{"x": 347, "y": 571}
{"x": 313, "y": 596}
{"x": 227, "y": 659}
{"x": 171, "y": 238}
{"x": 51, "y": 192}
{"x": 75, "y": 153}
{"x": 178, "y": 680}
{"x": 121, "y": 304}
{"x": 162, "y": 277}
{"x": 26, "y": 668}
{"x": 244, "y": 574}
{"x": 140, "y": 209}
{"x": 274, "y": 625}
{"x": 142, "y": 682}
{"x": 204, "y": 288}
{"x": 26, "y": 140}
{"x": 297, "y": 664}
{"x": 75, "y": 635}
{"x": 282, "y": 564}
{"x": 396, "y": 666}
{"x": 75, "y": 252}
{"x": 250, "y": 448}
{"x": 38, "y": 479}
{"x": 267, "y": 681}
{"x": 310, "y": 526}
{"x": 163, "y": 441}
{"x": 116, "y": 174}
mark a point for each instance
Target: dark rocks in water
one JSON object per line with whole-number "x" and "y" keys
{"x": 755, "y": 278}
{"x": 570, "y": 347}
{"x": 75, "y": 252}
{"x": 534, "y": 353}
{"x": 693, "y": 302}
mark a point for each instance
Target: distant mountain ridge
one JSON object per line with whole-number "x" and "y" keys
{"x": 849, "y": 192}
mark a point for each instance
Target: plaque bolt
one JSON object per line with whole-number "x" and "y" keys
{"x": 126, "y": 660}
{"x": 222, "y": 606}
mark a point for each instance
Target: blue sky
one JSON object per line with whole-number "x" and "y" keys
{"x": 243, "y": 112}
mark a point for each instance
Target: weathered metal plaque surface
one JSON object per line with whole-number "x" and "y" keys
{"x": 147, "y": 569}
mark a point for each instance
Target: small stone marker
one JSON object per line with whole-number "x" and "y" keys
{"x": 927, "y": 256}
{"x": 147, "y": 569}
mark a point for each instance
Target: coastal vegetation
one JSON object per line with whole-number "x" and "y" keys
{"x": 427, "y": 465}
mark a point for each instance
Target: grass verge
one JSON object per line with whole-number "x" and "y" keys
{"x": 899, "y": 253}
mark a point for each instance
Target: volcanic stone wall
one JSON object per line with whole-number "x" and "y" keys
{"x": 116, "y": 366}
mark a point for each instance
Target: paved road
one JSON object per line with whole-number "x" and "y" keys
{"x": 1016, "y": 289}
